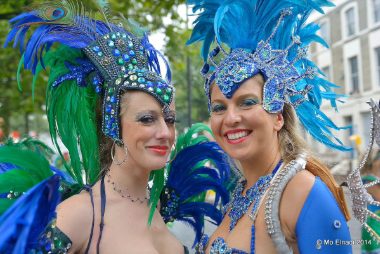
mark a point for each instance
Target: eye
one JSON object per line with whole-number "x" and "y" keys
{"x": 218, "y": 108}
{"x": 146, "y": 119}
{"x": 170, "y": 119}
{"x": 247, "y": 103}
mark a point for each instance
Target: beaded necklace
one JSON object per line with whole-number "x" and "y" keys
{"x": 240, "y": 203}
{"x": 125, "y": 194}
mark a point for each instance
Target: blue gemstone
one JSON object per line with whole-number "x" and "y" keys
{"x": 116, "y": 52}
{"x": 126, "y": 57}
{"x": 141, "y": 80}
{"x": 132, "y": 53}
{"x": 111, "y": 43}
{"x": 98, "y": 89}
{"x": 108, "y": 108}
{"x": 96, "y": 48}
{"x": 149, "y": 84}
{"x": 95, "y": 81}
{"x": 48, "y": 246}
{"x": 100, "y": 53}
{"x": 205, "y": 68}
{"x": 113, "y": 99}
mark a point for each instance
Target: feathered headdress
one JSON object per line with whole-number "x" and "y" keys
{"x": 270, "y": 38}
{"x": 92, "y": 59}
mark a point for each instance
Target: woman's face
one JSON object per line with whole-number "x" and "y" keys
{"x": 241, "y": 126}
{"x": 147, "y": 132}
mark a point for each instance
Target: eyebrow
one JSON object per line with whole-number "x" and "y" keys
{"x": 238, "y": 98}
{"x": 144, "y": 112}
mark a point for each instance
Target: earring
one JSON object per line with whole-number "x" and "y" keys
{"x": 113, "y": 155}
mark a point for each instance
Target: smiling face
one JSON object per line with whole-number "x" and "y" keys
{"x": 147, "y": 132}
{"x": 241, "y": 126}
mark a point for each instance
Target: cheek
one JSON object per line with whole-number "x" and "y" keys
{"x": 172, "y": 134}
{"x": 216, "y": 123}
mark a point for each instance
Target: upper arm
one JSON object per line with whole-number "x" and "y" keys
{"x": 293, "y": 199}
{"x": 74, "y": 217}
{"x": 321, "y": 226}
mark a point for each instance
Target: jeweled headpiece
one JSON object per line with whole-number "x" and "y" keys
{"x": 268, "y": 38}
{"x": 114, "y": 58}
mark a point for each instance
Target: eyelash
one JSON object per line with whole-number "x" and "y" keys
{"x": 147, "y": 119}
{"x": 248, "y": 102}
{"x": 150, "y": 119}
{"x": 170, "y": 120}
{"x": 218, "y": 108}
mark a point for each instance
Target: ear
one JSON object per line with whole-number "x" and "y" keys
{"x": 278, "y": 121}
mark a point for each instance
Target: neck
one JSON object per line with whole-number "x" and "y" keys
{"x": 261, "y": 165}
{"x": 130, "y": 176}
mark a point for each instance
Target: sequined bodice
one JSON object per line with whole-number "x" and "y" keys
{"x": 218, "y": 246}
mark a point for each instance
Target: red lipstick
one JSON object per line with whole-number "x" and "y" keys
{"x": 160, "y": 150}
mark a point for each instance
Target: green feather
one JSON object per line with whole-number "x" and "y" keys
{"x": 158, "y": 177}
{"x": 5, "y": 204}
{"x": 34, "y": 163}
{"x": 72, "y": 117}
{"x": 32, "y": 168}
{"x": 18, "y": 74}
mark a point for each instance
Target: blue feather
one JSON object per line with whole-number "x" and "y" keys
{"x": 27, "y": 218}
{"x": 189, "y": 178}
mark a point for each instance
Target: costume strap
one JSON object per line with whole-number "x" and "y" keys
{"x": 88, "y": 188}
{"x": 272, "y": 203}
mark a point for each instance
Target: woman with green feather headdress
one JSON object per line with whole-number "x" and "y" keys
{"x": 110, "y": 106}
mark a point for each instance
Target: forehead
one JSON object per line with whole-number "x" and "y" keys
{"x": 252, "y": 86}
{"x": 139, "y": 100}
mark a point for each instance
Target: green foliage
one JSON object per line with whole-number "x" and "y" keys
{"x": 179, "y": 56}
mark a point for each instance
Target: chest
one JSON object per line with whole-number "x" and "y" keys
{"x": 126, "y": 231}
{"x": 242, "y": 237}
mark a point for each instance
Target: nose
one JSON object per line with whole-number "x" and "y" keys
{"x": 232, "y": 116}
{"x": 163, "y": 131}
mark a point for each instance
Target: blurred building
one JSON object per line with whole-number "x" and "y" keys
{"x": 352, "y": 29}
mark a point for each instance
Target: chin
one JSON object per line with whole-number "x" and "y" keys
{"x": 157, "y": 164}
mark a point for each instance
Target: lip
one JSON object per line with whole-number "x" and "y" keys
{"x": 239, "y": 140}
{"x": 160, "y": 150}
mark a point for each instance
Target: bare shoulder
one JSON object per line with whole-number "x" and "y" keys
{"x": 74, "y": 218}
{"x": 293, "y": 199}
{"x": 299, "y": 186}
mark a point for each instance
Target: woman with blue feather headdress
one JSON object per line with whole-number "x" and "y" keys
{"x": 112, "y": 108}
{"x": 258, "y": 81}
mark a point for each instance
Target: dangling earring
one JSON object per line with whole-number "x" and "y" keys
{"x": 113, "y": 153}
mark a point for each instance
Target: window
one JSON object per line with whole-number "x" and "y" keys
{"x": 377, "y": 61}
{"x": 350, "y": 22}
{"x": 326, "y": 71}
{"x": 354, "y": 74}
{"x": 324, "y": 30}
{"x": 366, "y": 119}
{"x": 376, "y": 10}
{"x": 347, "y": 134}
